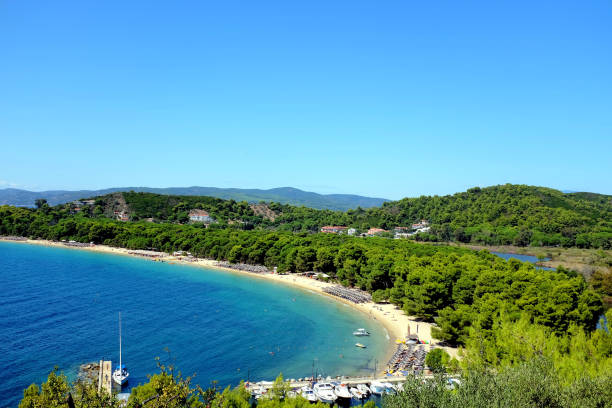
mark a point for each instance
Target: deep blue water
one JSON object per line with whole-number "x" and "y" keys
{"x": 523, "y": 258}
{"x": 59, "y": 307}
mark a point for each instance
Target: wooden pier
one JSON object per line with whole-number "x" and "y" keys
{"x": 105, "y": 379}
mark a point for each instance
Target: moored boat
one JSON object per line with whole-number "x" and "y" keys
{"x": 356, "y": 394}
{"x": 308, "y": 394}
{"x": 360, "y": 345}
{"x": 363, "y": 389}
{"x": 257, "y": 391}
{"x": 361, "y": 332}
{"x": 325, "y": 392}
{"x": 121, "y": 374}
{"x": 342, "y": 391}
{"x": 389, "y": 388}
{"x": 377, "y": 388}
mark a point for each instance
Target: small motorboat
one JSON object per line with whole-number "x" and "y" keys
{"x": 360, "y": 345}
{"x": 257, "y": 391}
{"x": 356, "y": 394}
{"x": 389, "y": 388}
{"x": 342, "y": 391}
{"x": 361, "y": 332}
{"x": 308, "y": 394}
{"x": 363, "y": 389}
{"x": 377, "y": 388}
{"x": 325, "y": 392}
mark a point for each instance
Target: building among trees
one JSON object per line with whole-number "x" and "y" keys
{"x": 199, "y": 216}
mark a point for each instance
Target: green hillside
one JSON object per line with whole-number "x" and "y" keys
{"x": 508, "y": 214}
{"x": 499, "y": 215}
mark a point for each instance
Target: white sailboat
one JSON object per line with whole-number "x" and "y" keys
{"x": 121, "y": 374}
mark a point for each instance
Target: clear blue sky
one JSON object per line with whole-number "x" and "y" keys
{"x": 379, "y": 98}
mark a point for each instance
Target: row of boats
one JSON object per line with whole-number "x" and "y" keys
{"x": 330, "y": 391}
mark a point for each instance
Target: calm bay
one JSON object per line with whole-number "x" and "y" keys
{"x": 59, "y": 307}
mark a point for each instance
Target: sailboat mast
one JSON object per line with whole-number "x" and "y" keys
{"x": 120, "y": 369}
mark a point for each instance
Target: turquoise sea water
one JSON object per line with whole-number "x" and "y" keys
{"x": 59, "y": 307}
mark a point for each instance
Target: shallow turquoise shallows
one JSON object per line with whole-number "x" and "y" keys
{"x": 59, "y": 307}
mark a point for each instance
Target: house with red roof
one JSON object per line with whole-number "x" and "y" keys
{"x": 375, "y": 231}
{"x": 199, "y": 216}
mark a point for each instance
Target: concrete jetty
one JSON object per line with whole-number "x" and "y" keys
{"x": 105, "y": 380}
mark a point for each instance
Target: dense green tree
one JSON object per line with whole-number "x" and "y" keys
{"x": 56, "y": 391}
{"x": 305, "y": 259}
{"x": 573, "y": 354}
{"x": 453, "y": 324}
{"x": 437, "y": 360}
{"x": 168, "y": 389}
{"x": 602, "y": 282}
{"x": 531, "y": 384}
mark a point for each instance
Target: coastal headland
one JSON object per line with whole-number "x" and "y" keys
{"x": 393, "y": 319}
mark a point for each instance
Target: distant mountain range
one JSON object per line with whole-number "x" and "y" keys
{"x": 283, "y": 195}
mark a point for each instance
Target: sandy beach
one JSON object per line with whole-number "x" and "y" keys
{"x": 395, "y": 321}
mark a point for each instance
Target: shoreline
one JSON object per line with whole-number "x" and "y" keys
{"x": 394, "y": 320}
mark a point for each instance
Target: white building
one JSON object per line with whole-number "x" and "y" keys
{"x": 199, "y": 216}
